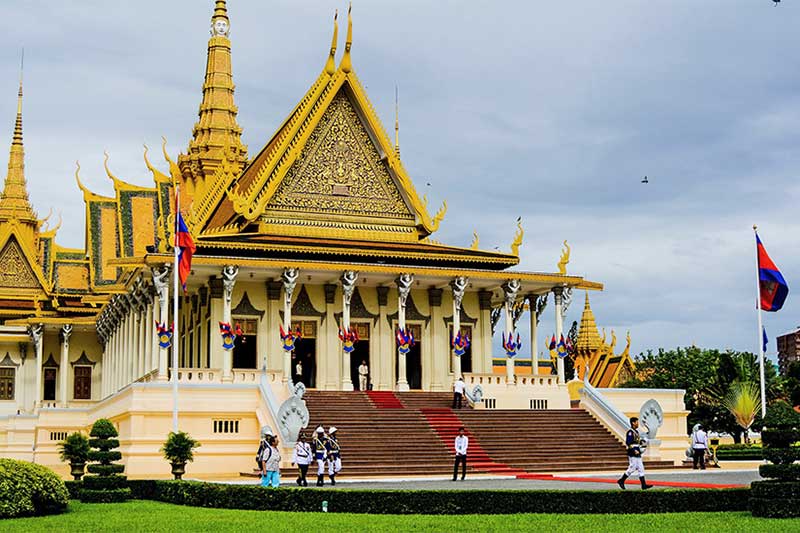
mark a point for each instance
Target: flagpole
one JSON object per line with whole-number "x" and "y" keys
{"x": 760, "y": 331}
{"x": 175, "y": 334}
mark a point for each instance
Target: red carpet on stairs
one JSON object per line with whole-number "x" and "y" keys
{"x": 385, "y": 399}
{"x": 445, "y": 423}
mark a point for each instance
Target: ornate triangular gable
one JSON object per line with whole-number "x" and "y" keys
{"x": 340, "y": 173}
{"x": 306, "y": 150}
{"x": 17, "y": 268}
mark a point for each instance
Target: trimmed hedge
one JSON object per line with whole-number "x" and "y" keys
{"x": 781, "y": 472}
{"x": 28, "y": 489}
{"x": 739, "y": 452}
{"x": 442, "y": 502}
{"x": 775, "y": 499}
{"x": 105, "y": 495}
{"x": 104, "y": 484}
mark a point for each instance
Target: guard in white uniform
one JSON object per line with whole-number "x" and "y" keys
{"x": 363, "y": 374}
{"x": 320, "y": 453}
{"x": 635, "y": 465}
{"x": 334, "y": 455}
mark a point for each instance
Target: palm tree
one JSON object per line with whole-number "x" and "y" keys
{"x": 743, "y": 401}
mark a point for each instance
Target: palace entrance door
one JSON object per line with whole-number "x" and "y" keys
{"x": 245, "y": 348}
{"x": 49, "y": 384}
{"x": 360, "y": 354}
{"x": 305, "y": 353}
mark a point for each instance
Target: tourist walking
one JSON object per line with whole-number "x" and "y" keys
{"x": 302, "y": 457}
{"x": 635, "y": 465}
{"x": 699, "y": 447}
{"x": 461, "y": 444}
{"x": 363, "y": 375}
{"x": 458, "y": 393}
{"x": 334, "y": 455}
{"x": 261, "y": 446}
{"x": 320, "y": 454}
{"x": 271, "y": 475}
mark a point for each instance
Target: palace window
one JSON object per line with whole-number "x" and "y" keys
{"x": 7, "y": 378}
{"x": 83, "y": 383}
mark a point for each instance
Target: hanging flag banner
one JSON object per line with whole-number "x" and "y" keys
{"x": 164, "y": 335}
{"x": 510, "y": 346}
{"x": 290, "y": 337}
{"x": 349, "y": 338}
{"x": 405, "y": 340}
{"x": 228, "y": 337}
{"x": 772, "y": 287}
{"x": 460, "y": 344}
{"x": 765, "y": 339}
{"x": 562, "y": 347}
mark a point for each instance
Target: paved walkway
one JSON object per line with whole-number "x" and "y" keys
{"x": 712, "y": 478}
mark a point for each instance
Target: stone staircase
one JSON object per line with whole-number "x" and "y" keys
{"x": 383, "y": 433}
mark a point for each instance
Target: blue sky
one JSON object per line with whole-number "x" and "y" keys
{"x": 552, "y": 111}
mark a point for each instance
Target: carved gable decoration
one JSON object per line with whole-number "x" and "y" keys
{"x": 50, "y": 363}
{"x": 15, "y": 271}
{"x": 302, "y": 305}
{"x": 83, "y": 360}
{"x": 412, "y": 313}
{"x": 339, "y": 171}
{"x": 8, "y": 362}
{"x": 357, "y": 309}
{"x": 464, "y": 318}
{"x": 245, "y": 308}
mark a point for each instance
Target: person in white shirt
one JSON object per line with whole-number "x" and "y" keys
{"x": 699, "y": 447}
{"x": 298, "y": 371}
{"x": 363, "y": 373}
{"x": 458, "y": 393}
{"x": 302, "y": 457}
{"x": 461, "y": 444}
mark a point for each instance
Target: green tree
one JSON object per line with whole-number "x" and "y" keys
{"x": 706, "y": 375}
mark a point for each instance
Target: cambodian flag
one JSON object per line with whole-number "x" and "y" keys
{"x": 186, "y": 247}
{"x": 773, "y": 287}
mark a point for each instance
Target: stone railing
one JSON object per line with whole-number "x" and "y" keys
{"x": 485, "y": 379}
{"x": 604, "y": 411}
{"x": 199, "y": 375}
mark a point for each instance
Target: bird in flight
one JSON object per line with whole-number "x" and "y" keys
{"x": 645, "y": 180}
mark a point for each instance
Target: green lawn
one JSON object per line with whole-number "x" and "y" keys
{"x": 153, "y": 516}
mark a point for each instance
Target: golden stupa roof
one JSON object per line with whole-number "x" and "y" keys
{"x": 217, "y": 134}
{"x": 588, "y": 336}
{"x": 14, "y": 202}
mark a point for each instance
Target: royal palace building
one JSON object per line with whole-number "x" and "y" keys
{"x": 314, "y": 253}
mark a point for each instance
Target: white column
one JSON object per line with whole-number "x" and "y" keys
{"x": 37, "y": 335}
{"x": 533, "y": 302}
{"x": 348, "y": 279}
{"x": 289, "y": 279}
{"x": 558, "y": 297}
{"x": 63, "y": 365}
{"x": 161, "y": 282}
{"x": 228, "y": 281}
{"x": 510, "y": 290}
{"x": 404, "y": 282}
{"x": 149, "y": 338}
{"x": 459, "y": 285}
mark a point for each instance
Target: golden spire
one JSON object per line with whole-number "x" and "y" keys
{"x": 397, "y": 120}
{"x": 347, "y": 63}
{"x": 588, "y": 336}
{"x": 330, "y": 66}
{"x": 14, "y": 199}
{"x": 217, "y": 126}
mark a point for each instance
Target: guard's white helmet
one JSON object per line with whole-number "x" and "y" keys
{"x": 320, "y": 429}
{"x": 332, "y": 430}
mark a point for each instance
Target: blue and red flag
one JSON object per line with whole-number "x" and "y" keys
{"x": 186, "y": 247}
{"x": 772, "y": 287}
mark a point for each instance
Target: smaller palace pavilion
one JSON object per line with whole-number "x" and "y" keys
{"x": 314, "y": 254}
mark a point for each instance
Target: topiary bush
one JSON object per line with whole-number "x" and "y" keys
{"x": 75, "y": 451}
{"x": 779, "y": 496}
{"x": 105, "y": 482}
{"x": 28, "y": 489}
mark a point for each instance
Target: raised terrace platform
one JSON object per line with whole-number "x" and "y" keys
{"x": 411, "y": 434}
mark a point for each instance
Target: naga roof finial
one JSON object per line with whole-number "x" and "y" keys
{"x": 347, "y": 63}
{"x": 517, "y": 242}
{"x": 330, "y": 66}
{"x": 562, "y": 264}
